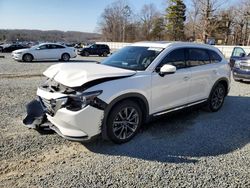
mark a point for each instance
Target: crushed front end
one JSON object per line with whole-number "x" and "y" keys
{"x": 71, "y": 112}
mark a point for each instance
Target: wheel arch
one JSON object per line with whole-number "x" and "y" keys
{"x": 223, "y": 81}
{"x": 138, "y": 98}
{"x": 65, "y": 53}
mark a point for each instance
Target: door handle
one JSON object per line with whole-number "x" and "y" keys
{"x": 215, "y": 71}
{"x": 186, "y": 78}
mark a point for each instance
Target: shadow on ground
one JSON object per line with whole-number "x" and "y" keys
{"x": 183, "y": 136}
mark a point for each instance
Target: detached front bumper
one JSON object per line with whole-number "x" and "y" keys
{"x": 73, "y": 125}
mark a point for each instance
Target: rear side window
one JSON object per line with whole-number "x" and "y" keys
{"x": 197, "y": 57}
{"x": 214, "y": 57}
{"x": 59, "y": 46}
{"x": 175, "y": 58}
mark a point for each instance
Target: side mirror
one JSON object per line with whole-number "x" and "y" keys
{"x": 242, "y": 54}
{"x": 167, "y": 69}
{"x": 37, "y": 48}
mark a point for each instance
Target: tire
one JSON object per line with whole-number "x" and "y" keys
{"x": 27, "y": 57}
{"x": 65, "y": 57}
{"x": 124, "y": 121}
{"x": 86, "y": 53}
{"x": 216, "y": 98}
{"x": 105, "y": 54}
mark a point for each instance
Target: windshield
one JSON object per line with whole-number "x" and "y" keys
{"x": 133, "y": 57}
{"x": 35, "y": 46}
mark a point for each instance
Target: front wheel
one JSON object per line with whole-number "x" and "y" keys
{"x": 216, "y": 98}
{"x": 27, "y": 58}
{"x": 86, "y": 53}
{"x": 124, "y": 121}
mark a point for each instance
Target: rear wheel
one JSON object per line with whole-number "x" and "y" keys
{"x": 65, "y": 57}
{"x": 105, "y": 54}
{"x": 86, "y": 53}
{"x": 124, "y": 121}
{"x": 216, "y": 98}
{"x": 27, "y": 57}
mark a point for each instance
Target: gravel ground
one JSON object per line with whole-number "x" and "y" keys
{"x": 187, "y": 149}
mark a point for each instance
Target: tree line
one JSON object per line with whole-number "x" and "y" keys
{"x": 19, "y": 35}
{"x": 202, "y": 20}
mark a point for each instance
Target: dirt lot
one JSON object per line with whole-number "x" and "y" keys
{"x": 187, "y": 149}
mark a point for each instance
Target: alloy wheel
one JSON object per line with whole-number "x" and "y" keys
{"x": 126, "y": 123}
{"x": 218, "y": 97}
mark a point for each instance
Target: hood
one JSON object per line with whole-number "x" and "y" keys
{"x": 22, "y": 50}
{"x": 77, "y": 74}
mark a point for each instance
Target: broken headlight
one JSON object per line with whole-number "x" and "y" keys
{"x": 80, "y": 101}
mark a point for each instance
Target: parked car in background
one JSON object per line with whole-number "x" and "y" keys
{"x": 138, "y": 82}
{"x": 45, "y": 51}
{"x": 95, "y": 49}
{"x": 240, "y": 64}
{"x": 11, "y": 47}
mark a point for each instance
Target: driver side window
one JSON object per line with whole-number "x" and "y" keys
{"x": 42, "y": 47}
{"x": 238, "y": 51}
{"x": 175, "y": 58}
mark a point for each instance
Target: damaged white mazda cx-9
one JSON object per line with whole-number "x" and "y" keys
{"x": 141, "y": 81}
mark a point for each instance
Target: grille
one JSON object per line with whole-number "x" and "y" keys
{"x": 47, "y": 104}
{"x": 245, "y": 67}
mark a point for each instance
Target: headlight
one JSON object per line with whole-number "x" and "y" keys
{"x": 237, "y": 64}
{"x": 80, "y": 101}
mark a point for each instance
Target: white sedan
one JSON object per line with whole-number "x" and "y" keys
{"x": 45, "y": 51}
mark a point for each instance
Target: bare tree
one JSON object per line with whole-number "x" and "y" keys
{"x": 147, "y": 16}
{"x": 193, "y": 16}
{"x": 206, "y": 11}
{"x": 114, "y": 21}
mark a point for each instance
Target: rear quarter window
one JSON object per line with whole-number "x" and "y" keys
{"x": 214, "y": 56}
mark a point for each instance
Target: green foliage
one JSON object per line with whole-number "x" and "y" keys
{"x": 158, "y": 28}
{"x": 175, "y": 17}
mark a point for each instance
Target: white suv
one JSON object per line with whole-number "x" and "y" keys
{"x": 141, "y": 81}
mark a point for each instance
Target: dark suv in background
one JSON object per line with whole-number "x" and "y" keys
{"x": 240, "y": 64}
{"x": 11, "y": 47}
{"x": 95, "y": 49}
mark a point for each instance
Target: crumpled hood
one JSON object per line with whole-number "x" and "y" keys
{"x": 77, "y": 74}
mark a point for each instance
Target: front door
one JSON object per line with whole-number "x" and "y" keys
{"x": 42, "y": 52}
{"x": 237, "y": 53}
{"x": 172, "y": 90}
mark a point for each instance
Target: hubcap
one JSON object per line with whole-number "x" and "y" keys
{"x": 28, "y": 58}
{"x": 218, "y": 97}
{"x": 126, "y": 123}
{"x": 65, "y": 57}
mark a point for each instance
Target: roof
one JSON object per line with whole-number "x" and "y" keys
{"x": 165, "y": 44}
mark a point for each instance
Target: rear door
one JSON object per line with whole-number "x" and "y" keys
{"x": 56, "y": 51}
{"x": 172, "y": 90}
{"x": 203, "y": 73}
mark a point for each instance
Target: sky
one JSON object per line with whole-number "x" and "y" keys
{"x": 65, "y": 15}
